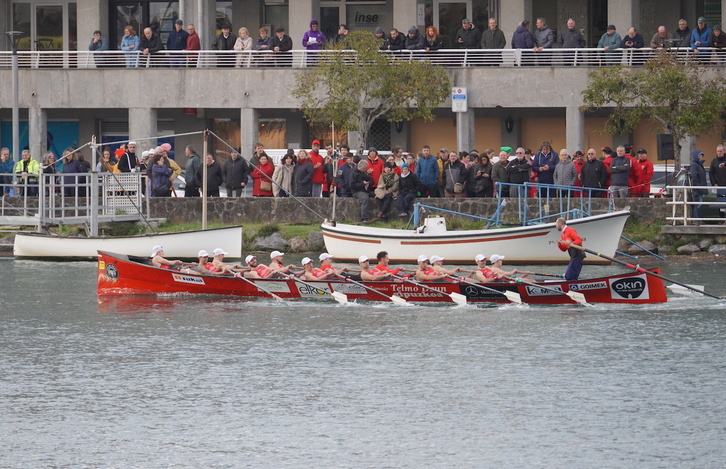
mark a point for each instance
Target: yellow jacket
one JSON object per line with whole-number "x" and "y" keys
{"x": 33, "y": 167}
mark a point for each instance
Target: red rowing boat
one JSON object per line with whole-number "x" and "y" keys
{"x": 119, "y": 274}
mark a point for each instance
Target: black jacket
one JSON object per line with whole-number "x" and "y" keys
{"x": 302, "y": 179}
{"x": 594, "y": 175}
{"x": 470, "y": 37}
{"x": 518, "y": 171}
{"x": 409, "y": 184}
{"x": 220, "y": 43}
{"x": 395, "y": 44}
{"x": 285, "y": 44}
{"x": 214, "y": 177}
{"x": 154, "y": 44}
{"x": 235, "y": 172}
{"x": 357, "y": 180}
{"x": 414, "y": 43}
{"x": 127, "y": 162}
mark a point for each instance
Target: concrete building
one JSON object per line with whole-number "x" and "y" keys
{"x": 65, "y": 106}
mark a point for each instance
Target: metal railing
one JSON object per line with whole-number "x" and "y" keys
{"x": 74, "y": 198}
{"x": 682, "y": 204}
{"x": 452, "y": 58}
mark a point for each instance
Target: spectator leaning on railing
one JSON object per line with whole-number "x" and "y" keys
{"x": 469, "y": 37}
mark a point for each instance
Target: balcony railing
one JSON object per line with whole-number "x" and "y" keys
{"x": 452, "y": 58}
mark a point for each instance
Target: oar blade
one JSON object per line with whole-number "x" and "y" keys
{"x": 578, "y": 297}
{"x": 512, "y": 296}
{"x": 458, "y": 298}
{"x": 341, "y": 298}
{"x": 397, "y": 300}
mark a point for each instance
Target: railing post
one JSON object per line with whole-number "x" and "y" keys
{"x": 94, "y": 179}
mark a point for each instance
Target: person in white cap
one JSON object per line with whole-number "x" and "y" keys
{"x": 326, "y": 263}
{"x": 425, "y": 271}
{"x": 218, "y": 262}
{"x": 313, "y": 273}
{"x": 158, "y": 260}
{"x": 497, "y": 267}
{"x": 370, "y": 275}
{"x": 437, "y": 263}
{"x": 483, "y": 273}
{"x": 205, "y": 267}
{"x": 276, "y": 264}
{"x": 257, "y": 270}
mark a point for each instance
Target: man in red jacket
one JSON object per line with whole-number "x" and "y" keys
{"x": 318, "y": 175}
{"x": 568, "y": 238}
{"x": 645, "y": 174}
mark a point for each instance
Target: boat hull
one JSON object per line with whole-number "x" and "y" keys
{"x": 521, "y": 245}
{"x": 184, "y": 244}
{"x": 118, "y": 276}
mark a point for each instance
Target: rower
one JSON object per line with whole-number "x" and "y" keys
{"x": 370, "y": 275}
{"x": 497, "y": 262}
{"x": 425, "y": 272}
{"x": 205, "y": 267}
{"x": 158, "y": 260}
{"x": 219, "y": 254}
{"x": 313, "y": 273}
{"x": 383, "y": 261}
{"x": 483, "y": 273}
{"x": 257, "y": 270}
{"x": 437, "y": 263}
{"x": 276, "y": 264}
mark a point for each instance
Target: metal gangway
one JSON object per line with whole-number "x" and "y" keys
{"x": 682, "y": 205}
{"x": 87, "y": 199}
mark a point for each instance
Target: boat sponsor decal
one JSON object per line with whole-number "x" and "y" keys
{"x": 181, "y": 278}
{"x": 534, "y": 290}
{"x": 274, "y": 287}
{"x": 587, "y": 286}
{"x": 313, "y": 289}
{"x": 349, "y": 289}
{"x": 631, "y": 288}
{"x": 111, "y": 272}
{"x": 101, "y": 264}
{"x": 407, "y": 291}
{"x": 474, "y": 293}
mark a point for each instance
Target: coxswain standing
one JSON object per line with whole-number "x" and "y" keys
{"x": 313, "y": 273}
{"x": 158, "y": 260}
{"x": 568, "y": 238}
{"x": 426, "y": 272}
{"x": 371, "y": 275}
{"x": 483, "y": 273}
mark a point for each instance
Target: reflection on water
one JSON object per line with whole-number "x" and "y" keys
{"x": 217, "y": 382}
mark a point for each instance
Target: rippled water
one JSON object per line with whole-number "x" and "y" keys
{"x": 201, "y": 382}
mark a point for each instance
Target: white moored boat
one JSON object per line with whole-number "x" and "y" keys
{"x": 524, "y": 244}
{"x": 184, "y": 244}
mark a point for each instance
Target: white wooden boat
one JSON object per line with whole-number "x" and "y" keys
{"x": 184, "y": 244}
{"x": 522, "y": 245}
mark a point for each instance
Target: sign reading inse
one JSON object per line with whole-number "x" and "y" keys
{"x": 458, "y": 99}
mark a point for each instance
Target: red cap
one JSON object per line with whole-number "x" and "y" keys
{"x": 316, "y": 141}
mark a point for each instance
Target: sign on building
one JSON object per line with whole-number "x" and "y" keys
{"x": 458, "y": 99}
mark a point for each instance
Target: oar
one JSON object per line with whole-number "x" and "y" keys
{"x": 575, "y": 296}
{"x": 457, "y": 298}
{"x": 397, "y": 300}
{"x": 514, "y": 297}
{"x": 637, "y": 268}
{"x": 544, "y": 275}
{"x": 264, "y": 290}
{"x": 341, "y": 298}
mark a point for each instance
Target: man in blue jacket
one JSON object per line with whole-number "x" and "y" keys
{"x": 427, "y": 171}
{"x": 700, "y": 34}
{"x": 177, "y": 41}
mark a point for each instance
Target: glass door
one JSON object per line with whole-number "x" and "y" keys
{"x": 448, "y": 16}
{"x": 49, "y": 26}
{"x": 45, "y": 26}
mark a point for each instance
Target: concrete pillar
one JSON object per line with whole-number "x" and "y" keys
{"x": 688, "y": 144}
{"x": 37, "y": 132}
{"x": 574, "y": 129}
{"x": 465, "y": 130}
{"x": 92, "y": 15}
{"x": 405, "y": 15}
{"x": 512, "y": 15}
{"x": 300, "y": 14}
{"x": 624, "y": 14}
{"x": 142, "y": 126}
{"x": 249, "y": 130}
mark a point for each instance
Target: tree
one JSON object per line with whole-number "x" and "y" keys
{"x": 353, "y": 89}
{"x": 682, "y": 99}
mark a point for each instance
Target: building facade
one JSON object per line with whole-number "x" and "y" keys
{"x": 512, "y": 106}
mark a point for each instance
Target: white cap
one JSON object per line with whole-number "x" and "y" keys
{"x": 275, "y": 254}
{"x": 219, "y": 251}
{"x": 203, "y": 253}
{"x": 480, "y": 257}
{"x": 249, "y": 258}
{"x": 436, "y": 259}
{"x": 156, "y": 249}
{"x": 145, "y": 154}
{"x": 132, "y": 142}
{"x": 306, "y": 260}
{"x": 422, "y": 258}
{"x": 152, "y": 151}
{"x": 495, "y": 258}
{"x": 362, "y": 259}
{"x": 324, "y": 256}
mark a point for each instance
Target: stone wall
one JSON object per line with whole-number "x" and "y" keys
{"x": 287, "y": 210}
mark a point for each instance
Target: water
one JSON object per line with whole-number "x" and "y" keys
{"x": 209, "y": 382}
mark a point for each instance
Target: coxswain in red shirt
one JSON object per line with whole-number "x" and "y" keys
{"x": 568, "y": 237}
{"x": 371, "y": 275}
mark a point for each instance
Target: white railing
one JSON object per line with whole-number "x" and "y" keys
{"x": 301, "y": 58}
{"x": 682, "y": 205}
